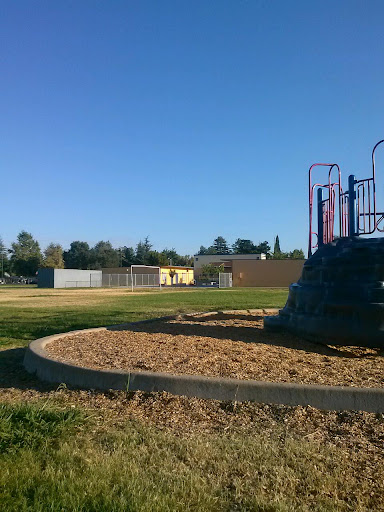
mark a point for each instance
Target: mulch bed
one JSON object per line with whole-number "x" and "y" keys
{"x": 234, "y": 346}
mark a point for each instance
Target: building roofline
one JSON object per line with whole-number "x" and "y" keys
{"x": 242, "y": 254}
{"x": 177, "y": 267}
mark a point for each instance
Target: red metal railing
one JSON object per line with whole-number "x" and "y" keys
{"x": 357, "y": 206}
{"x": 328, "y": 206}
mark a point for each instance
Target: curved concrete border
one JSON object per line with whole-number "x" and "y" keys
{"x": 37, "y": 360}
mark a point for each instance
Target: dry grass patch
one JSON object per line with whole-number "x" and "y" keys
{"x": 158, "y": 452}
{"x": 45, "y": 297}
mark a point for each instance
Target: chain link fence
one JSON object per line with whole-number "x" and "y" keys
{"x": 129, "y": 281}
{"x": 225, "y": 280}
{"x": 90, "y": 283}
{"x": 221, "y": 280}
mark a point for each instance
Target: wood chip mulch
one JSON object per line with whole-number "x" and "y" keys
{"x": 233, "y": 346}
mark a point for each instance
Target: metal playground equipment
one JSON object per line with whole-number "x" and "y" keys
{"x": 355, "y": 207}
{"x": 339, "y": 298}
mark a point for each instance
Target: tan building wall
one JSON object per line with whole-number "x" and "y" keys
{"x": 266, "y": 272}
{"x": 222, "y": 259}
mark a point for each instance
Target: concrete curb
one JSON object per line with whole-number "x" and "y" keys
{"x": 38, "y": 361}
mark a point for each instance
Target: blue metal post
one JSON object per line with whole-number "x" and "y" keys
{"x": 320, "y": 225}
{"x": 352, "y": 205}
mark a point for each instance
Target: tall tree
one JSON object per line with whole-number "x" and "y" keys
{"x": 157, "y": 259}
{"x": 141, "y": 255}
{"x": 3, "y": 249}
{"x": 263, "y": 247}
{"x": 202, "y": 250}
{"x": 242, "y": 246}
{"x": 221, "y": 246}
{"x": 53, "y": 256}
{"x": 4, "y": 262}
{"x": 103, "y": 255}
{"x": 26, "y": 255}
{"x": 186, "y": 261}
{"x": 128, "y": 256}
{"x": 147, "y": 244}
{"x": 276, "y": 247}
{"x": 78, "y": 255}
{"x": 171, "y": 256}
{"x": 142, "y": 251}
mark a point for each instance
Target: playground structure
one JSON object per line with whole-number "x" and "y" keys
{"x": 339, "y": 298}
{"x": 357, "y": 212}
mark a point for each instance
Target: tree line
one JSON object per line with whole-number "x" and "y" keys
{"x": 25, "y": 256}
{"x": 245, "y": 246}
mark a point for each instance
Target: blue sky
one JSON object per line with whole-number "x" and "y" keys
{"x": 181, "y": 120}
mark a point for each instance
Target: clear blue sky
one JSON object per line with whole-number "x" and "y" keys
{"x": 181, "y": 120}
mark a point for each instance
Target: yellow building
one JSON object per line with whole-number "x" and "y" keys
{"x": 169, "y": 275}
{"x": 173, "y": 275}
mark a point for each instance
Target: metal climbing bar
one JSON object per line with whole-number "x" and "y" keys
{"x": 368, "y": 218}
{"x": 326, "y": 206}
{"x": 357, "y": 210}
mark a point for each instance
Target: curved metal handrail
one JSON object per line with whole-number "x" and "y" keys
{"x": 330, "y": 187}
{"x": 376, "y": 223}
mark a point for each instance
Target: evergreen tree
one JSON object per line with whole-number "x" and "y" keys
{"x": 186, "y": 261}
{"x": 173, "y": 258}
{"x": 78, "y": 256}
{"x": 103, "y": 255}
{"x": 53, "y": 256}
{"x": 171, "y": 255}
{"x": 242, "y": 246}
{"x": 142, "y": 251}
{"x": 26, "y": 255}
{"x": 157, "y": 259}
{"x": 263, "y": 247}
{"x": 147, "y": 244}
{"x": 128, "y": 256}
{"x": 3, "y": 249}
{"x": 140, "y": 256}
{"x": 4, "y": 262}
{"x": 221, "y": 246}
{"x": 202, "y": 250}
{"x": 276, "y": 247}
{"x": 297, "y": 254}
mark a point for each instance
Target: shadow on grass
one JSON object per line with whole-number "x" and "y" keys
{"x": 14, "y": 375}
{"x": 21, "y": 329}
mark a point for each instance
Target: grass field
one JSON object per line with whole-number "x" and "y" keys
{"x": 72, "y": 450}
{"x": 29, "y": 313}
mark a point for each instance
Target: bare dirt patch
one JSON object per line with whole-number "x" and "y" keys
{"x": 234, "y": 346}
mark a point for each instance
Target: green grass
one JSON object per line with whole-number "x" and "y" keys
{"x": 25, "y": 426}
{"x": 142, "y": 469}
{"x": 38, "y": 313}
{"x": 67, "y": 451}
